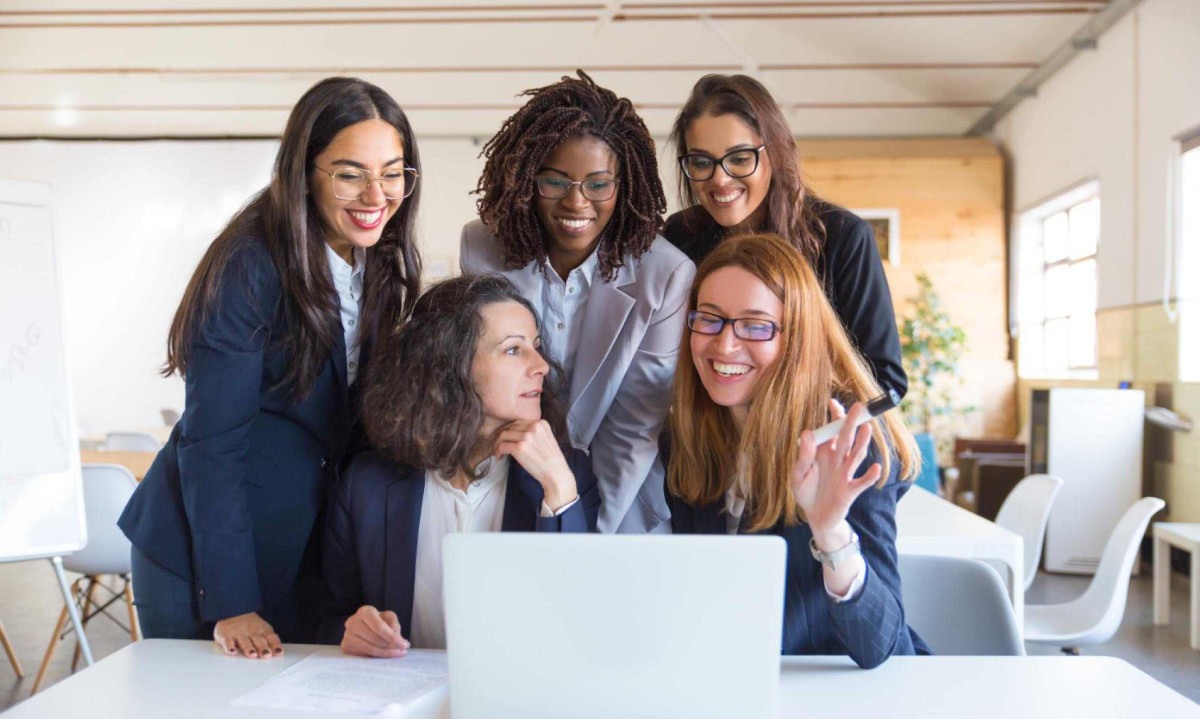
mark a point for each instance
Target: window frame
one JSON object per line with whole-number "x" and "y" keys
{"x": 1030, "y": 224}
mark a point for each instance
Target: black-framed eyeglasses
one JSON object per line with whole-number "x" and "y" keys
{"x": 751, "y": 329}
{"x": 556, "y": 188}
{"x": 699, "y": 166}
{"x": 351, "y": 183}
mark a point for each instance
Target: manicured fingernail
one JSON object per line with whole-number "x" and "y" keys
{"x": 231, "y": 651}
{"x": 279, "y": 650}
{"x": 253, "y": 653}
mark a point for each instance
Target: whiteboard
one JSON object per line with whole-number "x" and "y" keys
{"x": 41, "y": 497}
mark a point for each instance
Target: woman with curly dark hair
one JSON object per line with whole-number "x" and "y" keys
{"x": 570, "y": 210}
{"x": 469, "y": 437}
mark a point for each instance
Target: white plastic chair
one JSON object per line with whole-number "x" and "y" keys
{"x": 958, "y": 606}
{"x": 1026, "y": 512}
{"x": 131, "y": 442}
{"x": 106, "y": 491}
{"x": 1094, "y": 617}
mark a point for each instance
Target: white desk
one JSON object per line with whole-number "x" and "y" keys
{"x": 927, "y": 524}
{"x": 190, "y": 680}
{"x": 1186, "y": 536}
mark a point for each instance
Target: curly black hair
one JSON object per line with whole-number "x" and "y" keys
{"x": 419, "y": 403}
{"x": 571, "y": 107}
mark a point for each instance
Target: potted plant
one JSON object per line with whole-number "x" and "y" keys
{"x": 931, "y": 346}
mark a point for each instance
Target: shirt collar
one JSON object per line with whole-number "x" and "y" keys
{"x": 494, "y": 472}
{"x": 339, "y": 267}
{"x": 586, "y": 270}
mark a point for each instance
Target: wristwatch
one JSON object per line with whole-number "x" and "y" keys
{"x": 837, "y": 557}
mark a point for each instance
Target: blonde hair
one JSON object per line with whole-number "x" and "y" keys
{"x": 817, "y": 361}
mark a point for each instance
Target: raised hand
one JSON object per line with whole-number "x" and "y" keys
{"x": 249, "y": 634}
{"x": 826, "y": 487}
{"x": 372, "y": 633}
{"x": 534, "y": 447}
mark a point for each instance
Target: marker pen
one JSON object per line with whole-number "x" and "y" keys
{"x": 879, "y": 405}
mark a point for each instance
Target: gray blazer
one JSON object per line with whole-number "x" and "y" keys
{"x": 621, "y": 382}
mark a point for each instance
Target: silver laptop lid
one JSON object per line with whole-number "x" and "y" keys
{"x": 556, "y": 625}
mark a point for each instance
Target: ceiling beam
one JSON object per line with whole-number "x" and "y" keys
{"x": 505, "y": 69}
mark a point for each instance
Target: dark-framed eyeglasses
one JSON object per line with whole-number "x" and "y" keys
{"x": 556, "y": 188}
{"x": 752, "y": 329}
{"x": 699, "y": 166}
{"x": 351, "y": 183}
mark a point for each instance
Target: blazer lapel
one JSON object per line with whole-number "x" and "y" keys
{"x": 529, "y": 281}
{"x": 522, "y": 500}
{"x": 608, "y": 306}
{"x": 403, "y": 524}
{"x": 339, "y": 353}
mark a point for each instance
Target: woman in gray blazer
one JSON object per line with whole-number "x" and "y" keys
{"x": 570, "y": 211}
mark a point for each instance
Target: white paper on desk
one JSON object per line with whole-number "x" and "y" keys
{"x": 330, "y": 681}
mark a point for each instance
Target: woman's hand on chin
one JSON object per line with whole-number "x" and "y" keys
{"x": 372, "y": 633}
{"x": 823, "y": 481}
{"x": 533, "y": 445}
{"x": 249, "y": 634}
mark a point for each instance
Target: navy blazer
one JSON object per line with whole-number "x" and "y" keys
{"x": 230, "y": 502}
{"x": 369, "y": 555}
{"x": 871, "y": 627}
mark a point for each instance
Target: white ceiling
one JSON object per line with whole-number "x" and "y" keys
{"x": 159, "y": 68}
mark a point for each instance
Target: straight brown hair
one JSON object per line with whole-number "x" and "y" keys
{"x": 817, "y": 362}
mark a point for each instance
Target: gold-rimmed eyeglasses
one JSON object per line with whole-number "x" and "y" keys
{"x": 351, "y": 183}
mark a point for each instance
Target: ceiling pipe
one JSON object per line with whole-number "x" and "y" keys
{"x": 1086, "y": 39}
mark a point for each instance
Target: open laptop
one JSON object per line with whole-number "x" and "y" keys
{"x": 603, "y": 626}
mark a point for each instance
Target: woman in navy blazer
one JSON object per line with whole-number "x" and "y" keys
{"x": 764, "y": 360}
{"x": 461, "y": 408}
{"x": 268, "y": 341}
{"x": 570, "y": 210}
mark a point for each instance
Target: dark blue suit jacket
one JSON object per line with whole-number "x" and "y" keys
{"x": 371, "y": 529}
{"x": 229, "y": 504}
{"x": 870, "y": 628}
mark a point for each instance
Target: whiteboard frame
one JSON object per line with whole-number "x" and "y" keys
{"x": 36, "y": 194}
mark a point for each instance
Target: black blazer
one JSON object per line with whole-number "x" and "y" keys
{"x": 231, "y": 500}
{"x": 869, "y": 628}
{"x": 850, "y": 270}
{"x": 374, "y": 518}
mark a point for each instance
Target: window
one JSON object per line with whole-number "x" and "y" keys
{"x": 1189, "y": 260}
{"x": 1056, "y": 285}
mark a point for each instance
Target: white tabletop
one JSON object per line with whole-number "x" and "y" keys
{"x": 927, "y": 524}
{"x": 1183, "y": 532}
{"x": 169, "y": 679}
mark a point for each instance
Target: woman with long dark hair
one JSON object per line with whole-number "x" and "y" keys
{"x": 570, "y": 210}
{"x": 469, "y": 436}
{"x": 740, "y": 173}
{"x": 270, "y": 337}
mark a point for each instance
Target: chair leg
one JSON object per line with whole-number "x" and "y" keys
{"x": 62, "y": 620}
{"x": 1071, "y": 651}
{"x": 135, "y": 630}
{"x": 88, "y": 611}
{"x": 12, "y": 655}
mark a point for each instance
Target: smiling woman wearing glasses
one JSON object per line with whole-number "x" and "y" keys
{"x": 764, "y": 363}
{"x": 739, "y": 172}
{"x": 270, "y": 337}
{"x": 570, "y": 209}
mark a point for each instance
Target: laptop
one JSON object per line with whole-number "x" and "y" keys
{"x": 603, "y": 626}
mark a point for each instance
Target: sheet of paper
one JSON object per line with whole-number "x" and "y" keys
{"x": 330, "y": 681}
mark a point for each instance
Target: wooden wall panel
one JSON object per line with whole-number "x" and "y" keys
{"x": 950, "y": 195}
